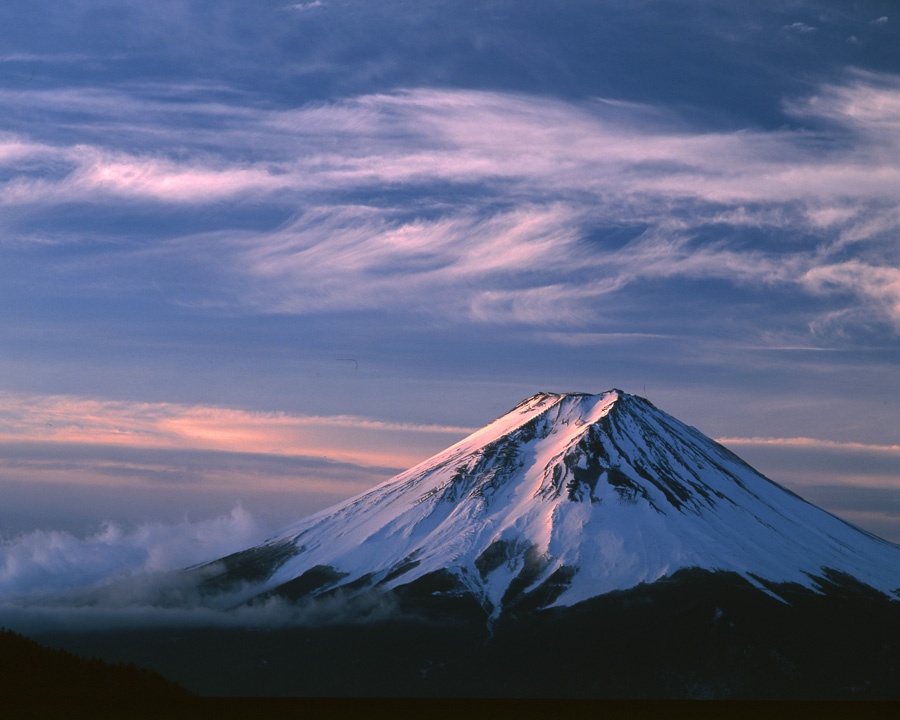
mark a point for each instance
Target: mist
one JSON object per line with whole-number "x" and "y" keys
{"x": 152, "y": 575}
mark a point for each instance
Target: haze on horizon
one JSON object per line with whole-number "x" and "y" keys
{"x": 257, "y": 258}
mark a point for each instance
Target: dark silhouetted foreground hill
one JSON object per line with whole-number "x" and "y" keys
{"x": 36, "y": 678}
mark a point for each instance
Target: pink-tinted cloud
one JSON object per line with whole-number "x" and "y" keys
{"x": 96, "y": 176}
{"x": 361, "y": 441}
{"x": 805, "y": 442}
{"x": 15, "y": 149}
{"x": 539, "y": 143}
{"x": 356, "y": 257}
{"x": 881, "y": 285}
{"x": 559, "y": 168}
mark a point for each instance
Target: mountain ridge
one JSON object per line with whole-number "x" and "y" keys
{"x": 567, "y": 496}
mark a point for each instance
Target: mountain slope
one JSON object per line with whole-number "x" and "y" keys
{"x": 695, "y": 634}
{"x": 564, "y": 498}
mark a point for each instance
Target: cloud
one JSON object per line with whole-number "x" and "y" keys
{"x": 122, "y": 468}
{"x": 873, "y": 508}
{"x": 85, "y": 421}
{"x": 587, "y": 339}
{"x": 459, "y": 136}
{"x": 306, "y": 5}
{"x": 800, "y": 27}
{"x": 867, "y": 104}
{"x": 150, "y": 575}
{"x": 879, "y": 285}
{"x": 810, "y": 443}
{"x": 800, "y": 462}
{"x": 16, "y": 150}
{"x": 75, "y": 457}
{"x": 171, "y": 601}
{"x": 40, "y": 562}
{"x": 95, "y": 174}
{"x": 596, "y": 167}
{"x": 491, "y": 206}
{"x": 64, "y": 57}
{"x": 131, "y": 577}
{"x": 352, "y": 257}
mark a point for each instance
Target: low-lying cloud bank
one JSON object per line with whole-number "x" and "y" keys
{"x": 116, "y": 576}
{"x": 48, "y": 562}
{"x": 151, "y": 575}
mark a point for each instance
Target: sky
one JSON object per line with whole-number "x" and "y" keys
{"x": 256, "y": 258}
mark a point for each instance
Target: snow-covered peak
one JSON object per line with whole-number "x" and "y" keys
{"x": 584, "y": 494}
{"x": 555, "y": 408}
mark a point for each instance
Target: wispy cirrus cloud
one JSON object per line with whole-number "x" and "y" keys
{"x": 358, "y": 257}
{"x": 306, "y": 5}
{"x": 810, "y": 443}
{"x": 540, "y": 144}
{"x": 487, "y": 202}
{"x": 530, "y": 265}
{"x": 50, "y": 175}
{"x": 15, "y": 150}
{"x": 867, "y": 104}
{"x": 879, "y": 285}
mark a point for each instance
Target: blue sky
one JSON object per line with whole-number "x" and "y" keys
{"x": 271, "y": 253}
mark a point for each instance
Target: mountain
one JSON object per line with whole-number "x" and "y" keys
{"x": 564, "y": 498}
{"x": 579, "y": 546}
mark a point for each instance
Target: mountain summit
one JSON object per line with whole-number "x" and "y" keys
{"x": 564, "y": 498}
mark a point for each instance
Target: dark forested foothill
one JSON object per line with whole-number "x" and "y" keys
{"x": 35, "y": 676}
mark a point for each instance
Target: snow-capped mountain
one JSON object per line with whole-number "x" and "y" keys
{"x": 564, "y": 498}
